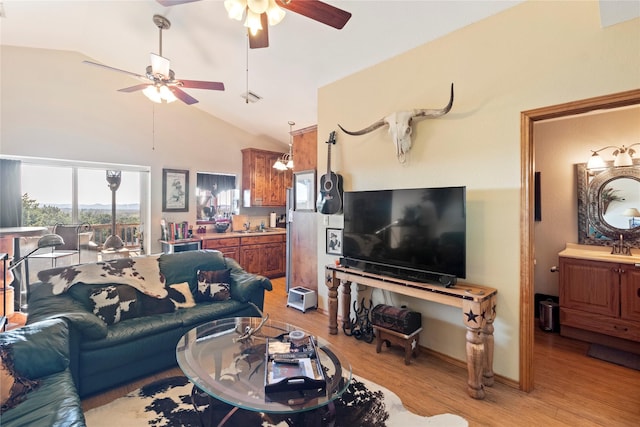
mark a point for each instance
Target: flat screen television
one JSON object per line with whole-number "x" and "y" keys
{"x": 417, "y": 234}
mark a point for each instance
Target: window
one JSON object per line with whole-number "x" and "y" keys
{"x": 216, "y": 195}
{"x": 67, "y": 192}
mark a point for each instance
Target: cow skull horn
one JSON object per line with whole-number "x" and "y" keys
{"x": 432, "y": 114}
{"x": 399, "y": 124}
{"x": 368, "y": 129}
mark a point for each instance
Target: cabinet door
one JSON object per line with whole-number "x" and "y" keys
{"x": 591, "y": 286}
{"x": 630, "y": 294}
{"x": 273, "y": 259}
{"x": 250, "y": 258}
{"x": 228, "y": 246}
{"x": 262, "y": 185}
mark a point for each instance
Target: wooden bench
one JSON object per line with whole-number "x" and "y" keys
{"x": 408, "y": 342}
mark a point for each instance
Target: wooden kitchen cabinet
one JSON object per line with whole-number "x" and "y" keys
{"x": 600, "y": 302}
{"x": 230, "y": 247}
{"x": 264, "y": 255}
{"x": 262, "y": 185}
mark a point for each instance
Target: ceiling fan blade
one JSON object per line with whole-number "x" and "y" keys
{"x": 183, "y": 96}
{"x": 261, "y": 39}
{"x": 174, "y": 2}
{"x": 134, "y": 88}
{"x": 318, "y": 11}
{"x": 198, "y": 84}
{"x": 160, "y": 65}
{"x": 139, "y": 76}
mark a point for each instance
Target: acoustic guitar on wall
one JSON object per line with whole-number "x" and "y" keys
{"x": 330, "y": 195}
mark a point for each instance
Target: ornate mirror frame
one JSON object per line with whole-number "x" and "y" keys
{"x": 593, "y": 229}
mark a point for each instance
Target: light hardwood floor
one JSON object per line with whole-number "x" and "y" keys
{"x": 571, "y": 389}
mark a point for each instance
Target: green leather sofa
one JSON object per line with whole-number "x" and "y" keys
{"x": 40, "y": 352}
{"x": 103, "y": 356}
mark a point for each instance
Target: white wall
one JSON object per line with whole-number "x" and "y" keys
{"x": 54, "y": 106}
{"x": 533, "y": 55}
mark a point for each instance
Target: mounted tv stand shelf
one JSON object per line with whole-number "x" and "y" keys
{"x": 478, "y": 304}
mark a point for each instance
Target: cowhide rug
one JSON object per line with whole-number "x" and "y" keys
{"x": 142, "y": 273}
{"x": 167, "y": 403}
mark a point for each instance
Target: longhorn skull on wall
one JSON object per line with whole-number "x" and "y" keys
{"x": 399, "y": 124}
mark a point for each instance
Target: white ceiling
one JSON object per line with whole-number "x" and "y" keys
{"x": 203, "y": 44}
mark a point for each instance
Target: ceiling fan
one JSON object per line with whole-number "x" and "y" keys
{"x": 262, "y": 13}
{"x": 160, "y": 82}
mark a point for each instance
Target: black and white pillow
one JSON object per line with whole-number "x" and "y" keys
{"x": 114, "y": 303}
{"x": 213, "y": 285}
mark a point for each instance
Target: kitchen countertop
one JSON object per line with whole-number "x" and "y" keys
{"x": 270, "y": 232}
{"x": 599, "y": 253}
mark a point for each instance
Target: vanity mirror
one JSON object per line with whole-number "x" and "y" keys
{"x": 609, "y": 204}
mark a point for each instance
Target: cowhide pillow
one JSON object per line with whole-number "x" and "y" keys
{"x": 181, "y": 295}
{"x": 13, "y": 387}
{"x": 114, "y": 303}
{"x": 213, "y": 285}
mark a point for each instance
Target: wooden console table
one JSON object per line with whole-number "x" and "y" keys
{"x": 478, "y": 304}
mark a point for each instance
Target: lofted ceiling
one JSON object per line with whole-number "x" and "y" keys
{"x": 203, "y": 44}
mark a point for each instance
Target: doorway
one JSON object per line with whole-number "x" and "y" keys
{"x": 527, "y": 121}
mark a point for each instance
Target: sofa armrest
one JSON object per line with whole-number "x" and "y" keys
{"x": 43, "y": 304}
{"x": 39, "y": 349}
{"x": 247, "y": 286}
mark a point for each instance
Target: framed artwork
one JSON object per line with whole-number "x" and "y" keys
{"x": 334, "y": 241}
{"x": 304, "y": 190}
{"x": 175, "y": 190}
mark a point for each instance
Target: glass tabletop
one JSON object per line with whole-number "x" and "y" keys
{"x": 232, "y": 370}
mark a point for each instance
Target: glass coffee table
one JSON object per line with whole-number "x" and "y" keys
{"x": 220, "y": 360}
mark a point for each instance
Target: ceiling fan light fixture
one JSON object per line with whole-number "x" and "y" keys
{"x": 275, "y": 13}
{"x": 166, "y": 94}
{"x": 235, "y": 8}
{"x": 158, "y": 94}
{"x": 258, "y": 6}
{"x": 152, "y": 93}
{"x": 253, "y": 22}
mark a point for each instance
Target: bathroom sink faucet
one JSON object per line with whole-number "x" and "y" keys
{"x": 619, "y": 248}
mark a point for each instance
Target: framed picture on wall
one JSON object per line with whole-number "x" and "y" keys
{"x": 175, "y": 190}
{"x": 334, "y": 241}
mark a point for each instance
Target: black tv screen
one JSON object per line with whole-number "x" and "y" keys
{"x": 419, "y": 233}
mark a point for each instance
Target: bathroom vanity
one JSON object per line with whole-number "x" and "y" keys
{"x": 600, "y": 296}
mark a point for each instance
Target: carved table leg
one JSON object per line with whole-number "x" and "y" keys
{"x": 346, "y": 304}
{"x": 487, "y": 334}
{"x": 332, "y": 283}
{"x": 475, "y": 322}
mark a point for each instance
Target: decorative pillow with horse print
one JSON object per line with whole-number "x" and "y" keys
{"x": 213, "y": 285}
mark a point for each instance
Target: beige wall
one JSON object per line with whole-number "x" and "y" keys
{"x": 533, "y": 55}
{"x": 53, "y": 106}
{"x": 559, "y": 146}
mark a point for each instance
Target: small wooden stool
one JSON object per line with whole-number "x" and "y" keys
{"x": 409, "y": 342}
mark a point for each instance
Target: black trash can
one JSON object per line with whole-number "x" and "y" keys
{"x": 549, "y": 316}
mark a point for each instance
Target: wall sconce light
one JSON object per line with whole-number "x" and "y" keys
{"x": 286, "y": 161}
{"x": 622, "y": 157}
